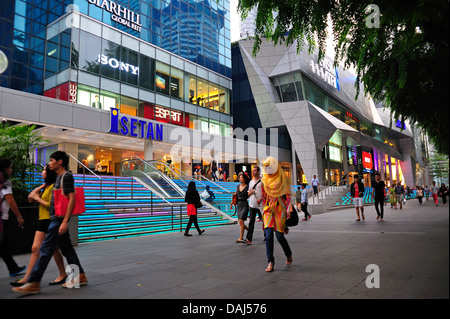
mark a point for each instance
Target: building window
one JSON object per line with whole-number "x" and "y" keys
{"x": 162, "y": 78}
{"x": 128, "y": 106}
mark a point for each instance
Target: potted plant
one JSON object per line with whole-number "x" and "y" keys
{"x": 16, "y": 143}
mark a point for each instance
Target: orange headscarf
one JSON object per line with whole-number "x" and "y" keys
{"x": 275, "y": 181}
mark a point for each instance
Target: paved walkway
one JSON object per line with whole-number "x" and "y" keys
{"x": 331, "y": 253}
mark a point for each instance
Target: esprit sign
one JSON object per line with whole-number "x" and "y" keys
{"x": 326, "y": 71}
{"x": 120, "y": 14}
{"x": 128, "y": 126}
{"x": 165, "y": 114}
{"x": 116, "y": 64}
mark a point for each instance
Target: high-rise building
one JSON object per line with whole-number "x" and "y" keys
{"x": 76, "y": 66}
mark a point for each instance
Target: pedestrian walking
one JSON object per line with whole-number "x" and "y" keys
{"x": 276, "y": 194}
{"x": 242, "y": 205}
{"x": 426, "y": 192}
{"x": 357, "y": 193}
{"x": 8, "y": 205}
{"x": 315, "y": 184}
{"x": 400, "y": 193}
{"x": 419, "y": 195}
{"x": 434, "y": 192}
{"x": 304, "y": 202}
{"x": 392, "y": 196}
{"x": 255, "y": 200}
{"x": 57, "y": 233}
{"x": 192, "y": 198}
{"x": 443, "y": 192}
{"x": 298, "y": 198}
{"x": 43, "y": 195}
{"x": 378, "y": 195}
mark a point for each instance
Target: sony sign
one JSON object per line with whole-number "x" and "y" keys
{"x": 120, "y": 14}
{"x": 115, "y": 64}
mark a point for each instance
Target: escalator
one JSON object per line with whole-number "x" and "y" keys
{"x": 148, "y": 174}
{"x": 167, "y": 182}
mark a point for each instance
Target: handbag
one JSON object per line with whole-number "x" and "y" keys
{"x": 234, "y": 200}
{"x": 293, "y": 220}
{"x": 198, "y": 204}
{"x": 61, "y": 201}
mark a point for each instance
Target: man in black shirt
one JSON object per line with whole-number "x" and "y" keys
{"x": 378, "y": 189}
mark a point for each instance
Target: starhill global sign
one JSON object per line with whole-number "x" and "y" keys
{"x": 120, "y": 14}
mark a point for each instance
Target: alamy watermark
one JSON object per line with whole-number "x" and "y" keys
{"x": 73, "y": 276}
{"x": 373, "y": 19}
{"x": 373, "y": 280}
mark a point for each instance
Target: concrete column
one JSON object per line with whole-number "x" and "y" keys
{"x": 148, "y": 150}
{"x": 72, "y": 149}
{"x": 345, "y": 156}
{"x": 294, "y": 166}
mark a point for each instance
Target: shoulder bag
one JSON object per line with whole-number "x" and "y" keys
{"x": 61, "y": 201}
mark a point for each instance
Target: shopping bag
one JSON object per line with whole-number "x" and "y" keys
{"x": 61, "y": 201}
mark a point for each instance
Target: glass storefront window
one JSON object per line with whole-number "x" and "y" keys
{"x": 109, "y": 100}
{"x": 224, "y": 104}
{"x": 202, "y": 92}
{"x": 90, "y": 48}
{"x": 128, "y": 106}
{"x": 129, "y": 67}
{"x": 162, "y": 78}
{"x": 176, "y": 83}
{"x": 146, "y": 72}
{"x": 191, "y": 87}
{"x": 109, "y": 60}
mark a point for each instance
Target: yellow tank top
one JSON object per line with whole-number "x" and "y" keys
{"x": 44, "y": 210}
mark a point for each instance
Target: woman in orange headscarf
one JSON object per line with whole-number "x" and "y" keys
{"x": 276, "y": 194}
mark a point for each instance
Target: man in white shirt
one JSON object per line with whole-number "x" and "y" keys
{"x": 304, "y": 202}
{"x": 315, "y": 184}
{"x": 434, "y": 192}
{"x": 255, "y": 195}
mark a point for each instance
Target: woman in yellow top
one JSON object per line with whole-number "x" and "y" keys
{"x": 44, "y": 199}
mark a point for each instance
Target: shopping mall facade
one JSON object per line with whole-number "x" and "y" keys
{"x": 107, "y": 80}
{"x": 158, "y": 79}
{"x": 331, "y": 131}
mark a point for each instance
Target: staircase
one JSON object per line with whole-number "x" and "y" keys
{"x": 119, "y": 207}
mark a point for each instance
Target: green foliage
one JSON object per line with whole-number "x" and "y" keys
{"x": 439, "y": 166}
{"x": 16, "y": 143}
{"x": 403, "y": 61}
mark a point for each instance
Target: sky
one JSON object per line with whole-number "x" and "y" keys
{"x": 235, "y": 18}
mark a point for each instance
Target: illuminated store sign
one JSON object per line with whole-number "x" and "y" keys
{"x": 120, "y": 14}
{"x": 115, "y": 64}
{"x": 165, "y": 114}
{"x": 350, "y": 115}
{"x": 367, "y": 161}
{"x": 326, "y": 71}
{"x": 126, "y": 126}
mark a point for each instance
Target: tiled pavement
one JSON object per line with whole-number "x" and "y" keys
{"x": 331, "y": 252}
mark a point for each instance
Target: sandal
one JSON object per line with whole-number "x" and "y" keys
{"x": 270, "y": 267}
{"x": 357, "y": 220}
{"x": 289, "y": 260}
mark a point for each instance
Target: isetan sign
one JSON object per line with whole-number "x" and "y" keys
{"x": 120, "y": 14}
{"x": 129, "y": 126}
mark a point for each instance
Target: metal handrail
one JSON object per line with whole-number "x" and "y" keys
{"x": 83, "y": 166}
{"x": 188, "y": 177}
{"x": 168, "y": 180}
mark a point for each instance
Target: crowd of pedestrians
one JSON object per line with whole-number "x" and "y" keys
{"x": 269, "y": 198}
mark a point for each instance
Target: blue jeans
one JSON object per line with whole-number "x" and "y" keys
{"x": 51, "y": 242}
{"x": 269, "y": 244}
